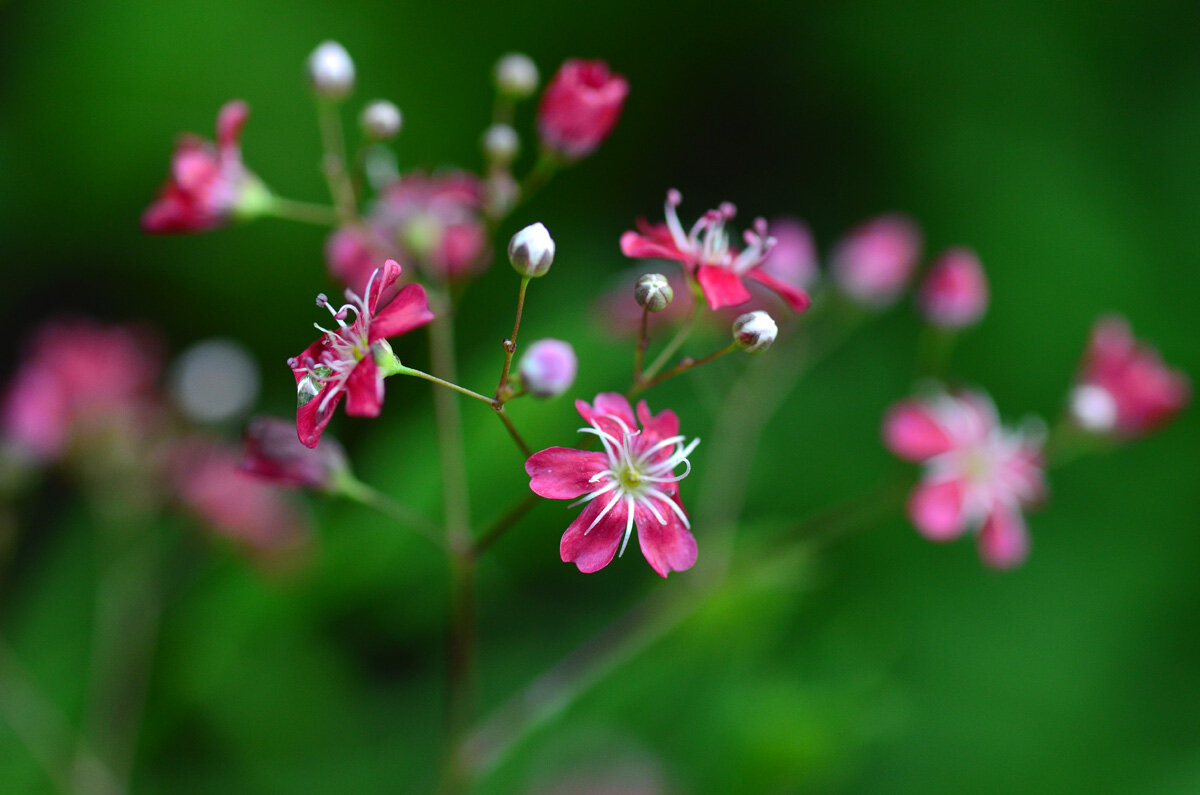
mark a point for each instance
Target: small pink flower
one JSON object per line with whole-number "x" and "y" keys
{"x": 271, "y": 452}
{"x": 707, "y": 256}
{"x": 352, "y": 253}
{"x": 955, "y": 292}
{"x": 435, "y": 222}
{"x": 977, "y": 474}
{"x": 1123, "y": 386}
{"x": 208, "y": 184}
{"x": 873, "y": 263}
{"x": 342, "y": 361}
{"x": 632, "y": 483}
{"x": 580, "y": 107}
{"x": 548, "y": 368}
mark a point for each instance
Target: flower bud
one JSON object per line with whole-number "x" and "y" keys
{"x": 531, "y": 251}
{"x": 754, "y": 331}
{"x": 548, "y": 368}
{"x": 331, "y": 71}
{"x": 955, "y": 292}
{"x": 653, "y": 292}
{"x": 1093, "y": 408}
{"x": 381, "y": 120}
{"x": 272, "y": 451}
{"x": 516, "y": 75}
{"x": 580, "y": 107}
{"x": 501, "y": 144}
{"x": 873, "y": 262}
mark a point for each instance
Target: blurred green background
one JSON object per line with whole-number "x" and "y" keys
{"x": 1061, "y": 140}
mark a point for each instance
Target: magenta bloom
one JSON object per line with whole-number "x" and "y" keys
{"x": 632, "y": 483}
{"x": 955, "y": 291}
{"x": 873, "y": 263}
{"x": 707, "y": 256}
{"x": 342, "y": 361}
{"x": 271, "y": 452}
{"x": 580, "y": 107}
{"x": 1123, "y": 385}
{"x": 977, "y": 474}
{"x": 208, "y": 184}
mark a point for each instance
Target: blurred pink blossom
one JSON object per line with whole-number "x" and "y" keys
{"x": 579, "y": 107}
{"x": 873, "y": 262}
{"x": 955, "y": 291}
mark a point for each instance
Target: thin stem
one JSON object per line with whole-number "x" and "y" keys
{"x": 341, "y": 188}
{"x": 537, "y": 178}
{"x": 506, "y": 521}
{"x": 359, "y": 492}
{"x": 639, "y": 353}
{"x": 513, "y": 432}
{"x": 304, "y": 212}
{"x": 680, "y": 337}
{"x": 510, "y": 344}
{"x": 433, "y": 379}
{"x": 682, "y": 367}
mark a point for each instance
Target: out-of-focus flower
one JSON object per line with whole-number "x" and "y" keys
{"x": 206, "y": 478}
{"x": 621, "y": 315}
{"x": 1123, "y": 386}
{"x": 271, "y": 451}
{"x": 343, "y": 360}
{"x": 632, "y": 483}
{"x": 531, "y": 251}
{"x": 501, "y": 144}
{"x": 215, "y": 380}
{"x": 955, "y": 291}
{"x": 707, "y": 256}
{"x": 208, "y": 185}
{"x": 977, "y": 474}
{"x": 381, "y": 120}
{"x": 580, "y": 107}
{"x": 79, "y": 376}
{"x": 331, "y": 71}
{"x": 793, "y": 259}
{"x": 516, "y": 75}
{"x": 872, "y": 264}
{"x": 754, "y": 332}
{"x": 352, "y": 253}
{"x": 435, "y": 222}
{"x": 548, "y": 368}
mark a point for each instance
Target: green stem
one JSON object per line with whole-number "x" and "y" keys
{"x": 356, "y": 491}
{"x": 543, "y": 170}
{"x": 433, "y": 379}
{"x": 680, "y": 337}
{"x": 303, "y": 212}
{"x": 513, "y": 432}
{"x": 639, "y": 353}
{"x": 340, "y": 186}
{"x": 505, "y": 522}
{"x": 682, "y": 367}
{"x": 510, "y": 344}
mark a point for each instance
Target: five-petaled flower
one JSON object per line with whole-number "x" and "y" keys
{"x": 343, "y": 360}
{"x": 631, "y": 483}
{"x": 707, "y": 255}
{"x": 977, "y": 474}
{"x": 208, "y": 184}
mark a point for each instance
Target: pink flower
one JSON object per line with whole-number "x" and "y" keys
{"x": 548, "y": 368}
{"x": 207, "y": 479}
{"x": 708, "y": 257}
{"x": 271, "y": 452}
{"x": 955, "y": 291}
{"x": 79, "y": 376}
{"x": 342, "y": 361}
{"x": 873, "y": 263}
{"x": 1124, "y": 386}
{"x": 208, "y": 184}
{"x": 793, "y": 259}
{"x": 976, "y": 473}
{"x": 632, "y": 483}
{"x": 580, "y": 107}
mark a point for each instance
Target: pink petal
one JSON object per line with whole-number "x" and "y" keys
{"x": 1004, "y": 539}
{"x": 230, "y": 120}
{"x": 912, "y": 433}
{"x": 592, "y": 550}
{"x": 311, "y": 420}
{"x": 407, "y": 311}
{"x": 385, "y": 278}
{"x": 667, "y": 547}
{"x": 937, "y": 509}
{"x": 664, "y": 426}
{"x": 796, "y": 298}
{"x": 721, "y": 286}
{"x": 364, "y": 389}
{"x": 638, "y": 247}
{"x": 562, "y": 473}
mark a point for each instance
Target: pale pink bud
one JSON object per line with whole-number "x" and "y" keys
{"x": 873, "y": 263}
{"x": 548, "y": 368}
{"x": 955, "y": 292}
{"x": 755, "y": 331}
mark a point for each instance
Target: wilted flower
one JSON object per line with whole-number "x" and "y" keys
{"x": 271, "y": 451}
{"x": 955, "y": 291}
{"x": 580, "y": 107}
{"x": 1123, "y": 386}
{"x": 707, "y": 255}
{"x": 632, "y": 483}
{"x": 548, "y": 368}
{"x": 977, "y": 474}
{"x": 873, "y": 263}
{"x": 343, "y": 360}
{"x": 208, "y": 185}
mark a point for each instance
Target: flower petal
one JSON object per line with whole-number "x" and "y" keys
{"x": 407, "y": 311}
{"x": 913, "y": 433}
{"x": 721, "y": 286}
{"x": 664, "y": 426}
{"x": 384, "y": 278}
{"x": 1004, "y": 539}
{"x": 666, "y": 547}
{"x": 364, "y": 389}
{"x": 936, "y": 508}
{"x": 796, "y": 298}
{"x": 592, "y": 550}
{"x": 609, "y": 405}
{"x": 311, "y": 419}
{"x": 639, "y": 247}
{"x": 563, "y": 473}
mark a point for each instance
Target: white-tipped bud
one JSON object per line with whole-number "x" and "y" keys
{"x": 381, "y": 120}
{"x": 548, "y": 368}
{"x": 331, "y": 71}
{"x": 755, "y": 331}
{"x": 501, "y": 144}
{"x": 531, "y": 251}
{"x": 653, "y": 292}
{"x": 516, "y": 75}
{"x": 1093, "y": 408}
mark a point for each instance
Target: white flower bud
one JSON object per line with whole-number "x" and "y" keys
{"x": 331, "y": 71}
{"x": 516, "y": 75}
{"x": 653, "y": 292}
{"x": 755, "y": 331}
{"x": 548, "y": 368}
{"x": 531, "y": 251}
{"x": 501, "y": 144}
{"x": 1093, "y": 408}
{"x": 381, "y": 120}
